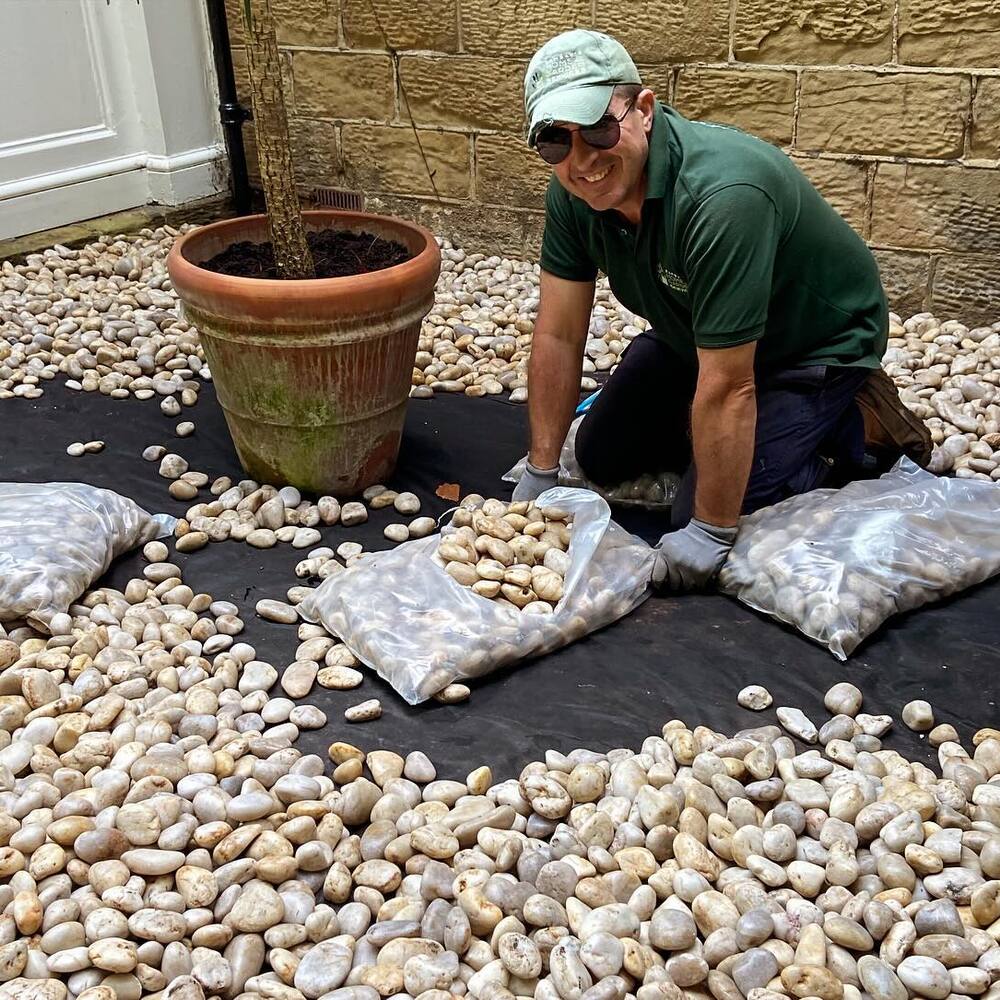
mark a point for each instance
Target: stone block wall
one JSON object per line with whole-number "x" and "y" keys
{"x": 892, "y": 107}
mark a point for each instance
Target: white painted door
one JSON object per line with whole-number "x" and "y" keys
{"x": 109, "y": 104}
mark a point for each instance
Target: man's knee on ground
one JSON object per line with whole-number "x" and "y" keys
{"x": 769, "y": 486}
{"x": 596, "y": 457}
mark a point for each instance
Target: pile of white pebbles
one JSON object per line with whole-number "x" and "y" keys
{"x": 949, "y": 376}
{"x": 477, "y": 337}
{"x": 162, "y": 838}
{"x": 107, "y": 318}
{"x": 516, "y": 554}
{"x": 263, "y": 515}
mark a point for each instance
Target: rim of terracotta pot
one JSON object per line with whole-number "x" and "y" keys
{"x": 302, "y": 295}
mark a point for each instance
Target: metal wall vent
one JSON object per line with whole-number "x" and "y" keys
{"x": 339, "y": 198}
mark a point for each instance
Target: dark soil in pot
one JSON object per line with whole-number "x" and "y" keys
{"x": 337, "y": 254}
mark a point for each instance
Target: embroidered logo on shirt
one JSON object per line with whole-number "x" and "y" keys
{"x": 673, "y": 281}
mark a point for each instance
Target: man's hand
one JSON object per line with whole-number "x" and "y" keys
{"x": 689, "y": 559}
{"x": 534, "y": 482}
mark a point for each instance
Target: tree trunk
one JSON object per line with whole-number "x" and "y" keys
{"x": 270, "y": 121}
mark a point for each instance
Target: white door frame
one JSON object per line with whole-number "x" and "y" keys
{"x": 155, "y": 136}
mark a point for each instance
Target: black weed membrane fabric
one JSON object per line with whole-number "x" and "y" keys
{"x": 674, "y": 658}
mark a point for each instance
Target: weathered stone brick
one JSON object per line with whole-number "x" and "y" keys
{"x": 949, "y": 32}
{"x": 343, "y": 85}
{"x": 842, "y": 183}
{"x": 759, "y": 101}
{"x": 287, "y": 81}
{"x": 306, "y": 22}
{"x": 508, "y": 172}
{"x": 930, "y": 207}
{"x": 408, "y": 24}
{"x": 659, "y": 77}
{"x": 814, "y": 31}
{"x": 465, "y": 92}
{"x": 900, "y": 114}
{"x": 906, "y": 279}
{"x": 234, "y": 21}
{"x": 241, "y": 73}
{"x": 967, "y": 287}
{"x": 984, "y": 139}
{"x": 387, "y": 158}
{"x": 516, "y": 233}
{"x": 517, "y": 28}
{"x": 534, "y": 231}
{"x": 296, "y": 22}
{"x": 314, "y": 152}
{"x": 668, "y": 30}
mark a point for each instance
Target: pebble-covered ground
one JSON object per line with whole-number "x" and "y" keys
{"x": 162, "y": 837}
{"x": 105, "y": 317}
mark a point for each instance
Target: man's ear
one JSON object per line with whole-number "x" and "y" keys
{"x": 645, "y": 104}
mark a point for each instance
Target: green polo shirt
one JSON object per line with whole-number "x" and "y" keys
{"x": 734, "y": 245}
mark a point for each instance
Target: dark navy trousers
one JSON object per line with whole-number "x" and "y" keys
{"x": 809, "y": 429}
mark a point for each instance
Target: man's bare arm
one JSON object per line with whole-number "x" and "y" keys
{"x": 723, "y": 426}
{"x": 555, "y": 364}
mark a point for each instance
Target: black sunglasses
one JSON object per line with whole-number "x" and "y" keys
{"x": 555, "y": 141}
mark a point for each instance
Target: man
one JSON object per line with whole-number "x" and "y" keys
{"x": 760, "y": 377}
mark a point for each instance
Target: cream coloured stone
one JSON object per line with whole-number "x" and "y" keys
{"x": 754, "y": 697}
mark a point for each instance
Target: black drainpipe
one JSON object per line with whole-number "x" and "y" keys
{"x": 232, "y": 114}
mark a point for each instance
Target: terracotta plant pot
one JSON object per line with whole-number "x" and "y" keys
{"x": 313, "y": 376}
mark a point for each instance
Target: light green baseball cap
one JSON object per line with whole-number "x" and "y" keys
{"x": 571, "y": 78}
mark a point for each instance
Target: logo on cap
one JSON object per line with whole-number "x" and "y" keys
{"x": 558, "y": 64}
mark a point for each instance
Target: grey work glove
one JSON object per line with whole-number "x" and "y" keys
{"x": 534, "y": 482}
{"x": 689, "y": 559}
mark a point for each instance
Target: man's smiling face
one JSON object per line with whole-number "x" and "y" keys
{"x": 605, "y": 178}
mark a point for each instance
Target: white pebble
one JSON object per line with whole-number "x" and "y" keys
{"x": 843, "y": 699}
{"x": 303, "y": 538}
{"x": 420, "y": 527}
{"x": 755, "y": 697}
{"x": 407, "y": 503}
{"x": 348, "y": 550}
{"x": 173, "y": 466}
{"x": 918, "y": 716}
{"x": 798, "y": 724}
{"x": 277, "y": 611}
{"x": 155, "y": 552}
{"x": 353, "y": 513}
{"x": 364, "y": 712}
